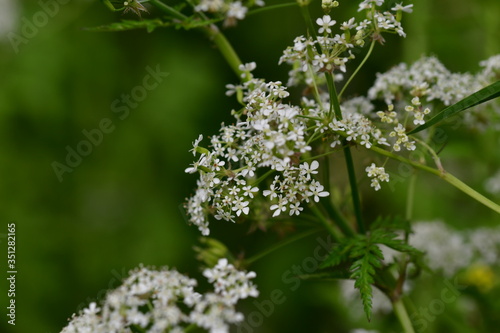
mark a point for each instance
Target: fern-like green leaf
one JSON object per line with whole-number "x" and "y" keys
{"x": 363, "y": 272}
{"x": 389, "y": 239}
{"x": 339, "y": 253}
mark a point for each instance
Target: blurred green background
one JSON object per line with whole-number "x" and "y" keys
{"x": 121, "y": 205}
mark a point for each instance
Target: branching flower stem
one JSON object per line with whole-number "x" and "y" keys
{"x": 325, "y": 222}
{"x": 358, "y": 68}
{"x": 212, "y": 32}
{"x": 279, "y": 245}
{"x": 335, "y": 109}
{"x": 445, "y": 176}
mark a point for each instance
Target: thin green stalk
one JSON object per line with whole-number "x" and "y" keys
{"x": 269, "y": 8}
{"x": 211, "y": 31}
{"x": 410, "y": 200}
{"x": 279, "y": 245}
{"x": 304, "y": 9}
{"x": 359, "y": 67}
{"x": 404, "y": 319}
{"x": 264, "y": 176}
{"x": 325, "y": 222}
{"x": 444, "y": 175}
{"x": 224, "y": 47}
{"x": 334, "y": 103}
{"x": 168, "y": 10}
{"x": 339, "y": 219}
{"x": 410, "y": 196}
{"x": 354, "y": 189}
{"x": 470, "y": 191}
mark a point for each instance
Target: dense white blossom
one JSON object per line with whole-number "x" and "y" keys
{"x": 449, "y": 250}
{"x": 165, "y": 300}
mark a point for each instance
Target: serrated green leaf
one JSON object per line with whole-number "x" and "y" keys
{"x": 479, "y": 97}
{"x": 389, "y": 239}
{"x": 391, "y": 223}
{"x": 124, "y": 25}
{"x": 339, "y": 253}
{"x": 363, "y": 270}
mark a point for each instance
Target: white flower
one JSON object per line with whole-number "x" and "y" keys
{"x": 400, "y": 7}
{"x": 309, "y": 170}
{"x": 237, "y": 10}
{"x": 316, "y": 191}
{"x": 172, "y": 303}
{"x": 377, "y": 174}
{"x": 326, "y": 22}
{"x": 348, "y": 24}
{"x": 280, "y": 207}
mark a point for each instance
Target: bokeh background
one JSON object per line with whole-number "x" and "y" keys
{"x": 121, "y": 206}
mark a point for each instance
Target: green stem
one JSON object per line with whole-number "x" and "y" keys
{"x": 325, "y": 222}
{"x": 168, "y": 10}
{"x": 339, "y": 219}
{"x": 304, "y": 8}
{"x": 334, "y": 103}
{"x": 444, "y": 175}
{"x": 212, "y": 32}
{"x": 224, "y": 47}
{"x": 269, "y": 8}
{"x": 404, "y": 319}
{"x": 279, "y": 245}
{"x": 264, "y": 176}
{"x": 410, "y": 197}
{"x": 470, "y": 191}
{"x": 359, "y": 67}
{"x": 354, "y": 189}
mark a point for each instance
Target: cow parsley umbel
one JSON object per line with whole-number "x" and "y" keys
{"x": 163, "y": 300}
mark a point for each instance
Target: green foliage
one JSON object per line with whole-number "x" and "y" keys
{"x": 365, "y": 257}
{"x": 364, "y": 269}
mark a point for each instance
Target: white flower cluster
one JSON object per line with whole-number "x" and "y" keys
{"x": 377, "y": 174}
{"x": 156, "y": 301}
{"x": 229, "y": 9}
{"x": 294, "y": 186}
{"x": 267, "y": 134}
{"x": 331, "y": 52}
{"x": 449, "y": 250}
{"x": 428, "y": 78}
{"x": 357, "y": 128}
{"x": 491, "y": 70}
